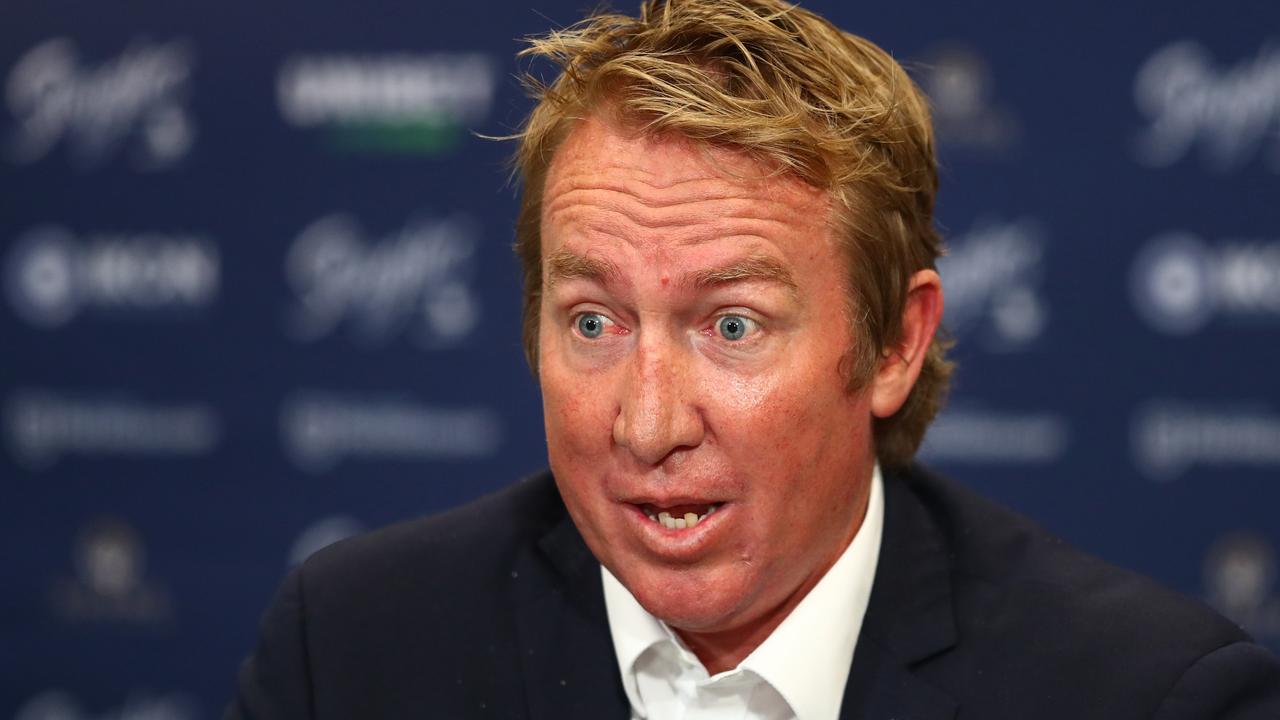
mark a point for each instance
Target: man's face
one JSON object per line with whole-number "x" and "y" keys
{"x": 690, "y": 340}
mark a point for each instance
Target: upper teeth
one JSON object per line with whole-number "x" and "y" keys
{"x": 679, "y": 523}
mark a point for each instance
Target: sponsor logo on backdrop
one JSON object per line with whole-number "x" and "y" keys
{"x": 1170, "y": 438}
{"x": 992, "y": 276}
{"x": 966, "y": 113}
{"x": 131, "y": 106}
{"x": 321, "y": 534}
{"x": 42, "y": 427}
{"x": 973, "y": 435}
{"x": 319, "y": 430}
{"x": 1239, "y": 580}
{"x": 138, "y": 705}
{"x": 51, "y": 275}
{"x": 415, "y": 281}
{"x": 1232, "y": 112}
{"x": 399, "y": 103}
{"x": 1180, "y": 283}
{"x": 110, "y": 583}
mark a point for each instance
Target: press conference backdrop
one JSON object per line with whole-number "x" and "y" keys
{"x": 258, "y": 295}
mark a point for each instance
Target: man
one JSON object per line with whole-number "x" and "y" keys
{"x": 731, "y": 307}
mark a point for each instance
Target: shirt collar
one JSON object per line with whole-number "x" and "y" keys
{"x": 634, "y": 631}
{"x": 807, "y": 657}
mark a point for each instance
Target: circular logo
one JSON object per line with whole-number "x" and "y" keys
{"x": 41, "y": 278}
{"x": 1171, "y": 283}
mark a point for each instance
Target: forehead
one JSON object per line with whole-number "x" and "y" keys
{"x": 611, "y": 180}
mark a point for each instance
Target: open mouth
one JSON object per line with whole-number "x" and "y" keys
{"x": 679, "y": 517}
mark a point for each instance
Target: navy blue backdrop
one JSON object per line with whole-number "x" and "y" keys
{"x": 258, "y": 295}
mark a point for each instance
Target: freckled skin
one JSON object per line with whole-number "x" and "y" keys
{"x": 661, "y": 404}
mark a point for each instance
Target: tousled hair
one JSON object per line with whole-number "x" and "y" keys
{"x": 786, "y": 87}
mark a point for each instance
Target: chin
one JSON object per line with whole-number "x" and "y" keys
{"x": 688, "y": 599}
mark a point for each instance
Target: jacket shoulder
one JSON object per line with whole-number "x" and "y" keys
{"x": 424, "y": 606}
{"x": 1062, "y": 626}
{"x": 414, "y": 615}
{"x": 466, "y": 547}
{"x": 997, "y": 548}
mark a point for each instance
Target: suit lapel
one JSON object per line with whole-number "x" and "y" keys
{"x": 909, "y": 618}
{"x": 566, "y": 649}
{"x": 570, "y": 668}
{"x": 882, "y": 687}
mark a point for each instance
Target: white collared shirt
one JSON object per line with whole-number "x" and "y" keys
{"x": 798, "y": 672}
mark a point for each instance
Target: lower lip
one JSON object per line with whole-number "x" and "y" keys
{"x": 679, "y": 544}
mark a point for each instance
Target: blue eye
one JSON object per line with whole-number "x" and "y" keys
{"x": 734, "y": 327}
{"x": 591, "y": 325}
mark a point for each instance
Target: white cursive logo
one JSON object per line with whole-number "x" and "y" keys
{"x": 138, "y": 96}
{"x": 418, "y": 277}
{"x": 992, "y": 277}
{"x": 1232, "y": 112}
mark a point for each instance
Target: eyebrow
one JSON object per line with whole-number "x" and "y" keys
{"x": 567, "y": 265}
{"x": 754, "y": 268}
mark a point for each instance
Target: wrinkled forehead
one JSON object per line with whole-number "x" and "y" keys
{"x": 623, "y": 206}
{"x": 666, "y": 169}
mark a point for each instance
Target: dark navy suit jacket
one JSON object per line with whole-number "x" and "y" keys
{"x": 496, "y": 610}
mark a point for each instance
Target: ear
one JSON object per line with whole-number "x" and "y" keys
{"x": 901, "y": 363}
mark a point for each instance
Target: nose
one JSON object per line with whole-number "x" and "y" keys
{"x": 658, "y": 413}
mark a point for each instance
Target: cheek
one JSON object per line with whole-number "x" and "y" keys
{"x": 575, "y": 413}
{"x": 795, "y": 430}
{"x": 743, "y": 396}
{"x": 781, "y": 413}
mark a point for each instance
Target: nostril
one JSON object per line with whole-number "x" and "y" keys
{"x": 655, "y": 414}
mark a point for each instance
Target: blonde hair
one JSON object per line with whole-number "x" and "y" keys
{"x": 789, "y": 88}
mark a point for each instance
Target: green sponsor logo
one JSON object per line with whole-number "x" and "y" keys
{"x": 424, "y": 136}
